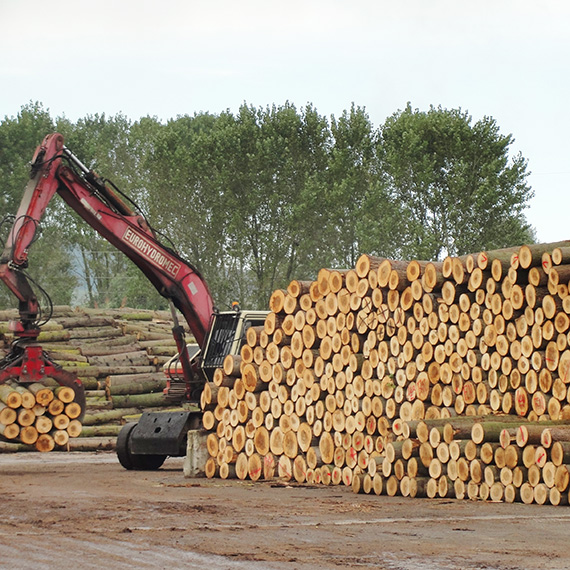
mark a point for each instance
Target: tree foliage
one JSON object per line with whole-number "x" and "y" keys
{"x": 256, "y": 198}
{"x": 355, "y": 190}
{"x": 455, "y": 187}
{"x": 19, "y": 137}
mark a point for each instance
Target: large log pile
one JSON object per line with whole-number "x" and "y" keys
{"x": 117, "y": 354}
{"x": 413, "y": 378}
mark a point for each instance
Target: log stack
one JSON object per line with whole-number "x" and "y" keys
{"x": 346, "y": 378}
{"x": 118, "y": 355}
{"x": 498, "y": 458}
{"x": 39, "y": 415}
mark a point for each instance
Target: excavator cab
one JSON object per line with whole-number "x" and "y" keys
{"x": 145, "y": 445}
{"x": 227, "y": 336}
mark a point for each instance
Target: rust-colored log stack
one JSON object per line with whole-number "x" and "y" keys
{"x": 117, "y": 354}
{"x": 345, "y": 380}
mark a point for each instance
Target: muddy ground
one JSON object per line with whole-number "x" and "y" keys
{"x": 82, "y": 510}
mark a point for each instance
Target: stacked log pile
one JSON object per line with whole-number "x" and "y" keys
{"x": 497, "y": 458}
{"x": 407, "y": 377}
{"x": 38, "y": 415}
{"x": 117, "y": 354}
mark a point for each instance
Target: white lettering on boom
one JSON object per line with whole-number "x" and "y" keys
{"x": 150, "y": 252}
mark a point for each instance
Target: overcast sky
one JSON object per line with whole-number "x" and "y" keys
{"x": 508, "y": 59}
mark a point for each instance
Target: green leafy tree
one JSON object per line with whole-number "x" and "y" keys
{"x": 271, "y": 164}
{"x": 183, "y": 203}
{"x": 358, "y": 207}
{"x": 102, "y": 144}
{"x": 237, "y": 196}
{"x": 50, "y": 268}
{"x": 452, "y": 183}
{"x": 19, "y": 137}
{"x": 131, "y": 287}
{"x": 257, "y": 198}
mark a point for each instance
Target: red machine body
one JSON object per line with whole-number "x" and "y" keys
{"x": 56, "y": 170}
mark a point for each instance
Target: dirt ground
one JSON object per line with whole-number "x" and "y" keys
{"x": 82, "y": 510}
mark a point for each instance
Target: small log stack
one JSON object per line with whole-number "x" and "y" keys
{"x": 407, "y": 377}
{"x": 38, "y": 415}
{"x": 118, "y": 355}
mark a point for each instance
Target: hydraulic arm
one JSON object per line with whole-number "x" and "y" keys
{"x": 55, "y": 169}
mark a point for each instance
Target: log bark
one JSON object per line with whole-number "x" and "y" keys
{"x": 108, "y": 416}
{"x": 142, "y": 387}
{"x": 100, "y": 431}
{"x": 91, "y": 444}
{"x": 139, "y": 400}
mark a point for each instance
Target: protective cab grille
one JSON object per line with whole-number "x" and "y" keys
{"x": 220, "y": 344}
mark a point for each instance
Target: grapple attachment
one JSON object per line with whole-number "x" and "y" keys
{"x": 27, "y": 362}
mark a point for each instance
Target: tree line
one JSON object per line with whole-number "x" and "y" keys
{"x": 265, "y": 195}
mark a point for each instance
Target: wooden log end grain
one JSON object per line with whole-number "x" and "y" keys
{"x": 45, "y": 443}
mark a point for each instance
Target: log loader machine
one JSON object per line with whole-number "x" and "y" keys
{"x": 157, "y": 435}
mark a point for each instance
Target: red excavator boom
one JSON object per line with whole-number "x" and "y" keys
{"x": 55, "y": 169}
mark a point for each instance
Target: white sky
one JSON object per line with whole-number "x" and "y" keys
{"x": 508, "y": 59}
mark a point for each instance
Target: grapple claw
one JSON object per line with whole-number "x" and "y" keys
{"x": 27, "y": 363}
